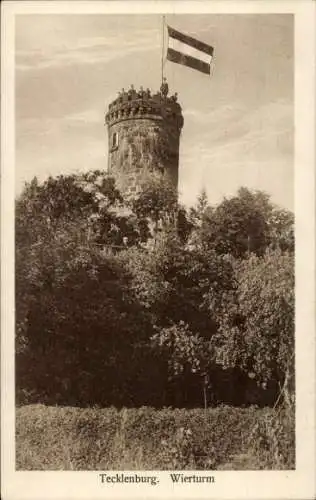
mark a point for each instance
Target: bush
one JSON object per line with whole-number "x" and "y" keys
{"x": 52, "y": 438}
{"x": 94, "y": 289}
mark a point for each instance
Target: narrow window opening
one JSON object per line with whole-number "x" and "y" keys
{"x": 114, "y": 140}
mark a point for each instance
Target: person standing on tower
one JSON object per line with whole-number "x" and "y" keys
{"x": 141, "y": 92}
{"x": 164, "y": 89}
{"x": 132, "y": 92}
{"x": 175, "y": 97}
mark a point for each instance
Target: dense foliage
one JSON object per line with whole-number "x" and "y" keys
{"x": 134, "y": 302}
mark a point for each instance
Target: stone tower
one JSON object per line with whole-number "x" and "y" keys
{"x": 143, "y": 134}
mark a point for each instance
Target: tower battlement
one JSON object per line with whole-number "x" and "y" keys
{"x": 143, "y": 133}
{"x": 134, "y": 105}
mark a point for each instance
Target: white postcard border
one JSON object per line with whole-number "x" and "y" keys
{"x": 264, "y": 484}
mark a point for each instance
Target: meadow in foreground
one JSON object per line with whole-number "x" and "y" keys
{"x": 222, "y": 438}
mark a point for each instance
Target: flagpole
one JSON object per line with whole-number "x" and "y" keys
{"x": 163, "y": 46}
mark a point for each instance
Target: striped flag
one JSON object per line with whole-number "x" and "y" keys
{"x": 183, "y": 49}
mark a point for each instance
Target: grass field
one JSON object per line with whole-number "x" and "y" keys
{"x": 222, "y": 438}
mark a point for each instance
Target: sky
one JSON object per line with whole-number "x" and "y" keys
{"x": 238, "y": 123}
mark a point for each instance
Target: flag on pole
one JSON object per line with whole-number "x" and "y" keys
{"x": 183, "y": 49}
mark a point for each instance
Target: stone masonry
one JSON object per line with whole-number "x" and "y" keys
{"x": 143, "y": 135}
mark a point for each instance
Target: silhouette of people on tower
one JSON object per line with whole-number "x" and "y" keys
{"x": 141, "y": 92}
{"x": 174, "y": 97}
{"x": 132, "y": 92}
{"x": 164, "y": 89}
{"x": 120, "y": 96}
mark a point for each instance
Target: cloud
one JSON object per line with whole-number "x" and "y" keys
{"x": 253, "y": 148}
{"x": 211, "y": 115}
{"x": 235, "y": 127}
{"x": 58, "y": 148}
{"x": 87, "y": 51}
{"x": 87, "y": 116}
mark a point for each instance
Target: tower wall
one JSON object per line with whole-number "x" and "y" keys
{"x": 143, "y": 136}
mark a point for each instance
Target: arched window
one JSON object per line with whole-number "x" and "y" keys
{"x": 114, "y": 140}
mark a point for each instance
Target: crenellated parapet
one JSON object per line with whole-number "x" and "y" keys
{"x": 136, "y": 105}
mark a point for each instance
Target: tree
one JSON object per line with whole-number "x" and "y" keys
{"x": 243, "y": 224}
{"x": 185, "y": 290}
{"x": 239, "y": 225}
{"x": 156, "y": 203}
{"x": 94, "y": 293}
{"x": 266, "y": 297}
{"x": 261, "y": 341}
{"x": 175, "y": 283}
{"x": 186, "y": 354}
{"x": 198, "y": 212}
{"x": 281, "y": 228}
{"x": 89, "y": 202}
{"x": 80, "y": 322}
{"x": 76, "y": 317}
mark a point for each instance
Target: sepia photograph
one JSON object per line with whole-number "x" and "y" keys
{"x": 155, "y": 243}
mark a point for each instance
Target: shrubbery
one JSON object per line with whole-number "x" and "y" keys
{"x": 51, "y": 438}
{"x": 144, "y": 303}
